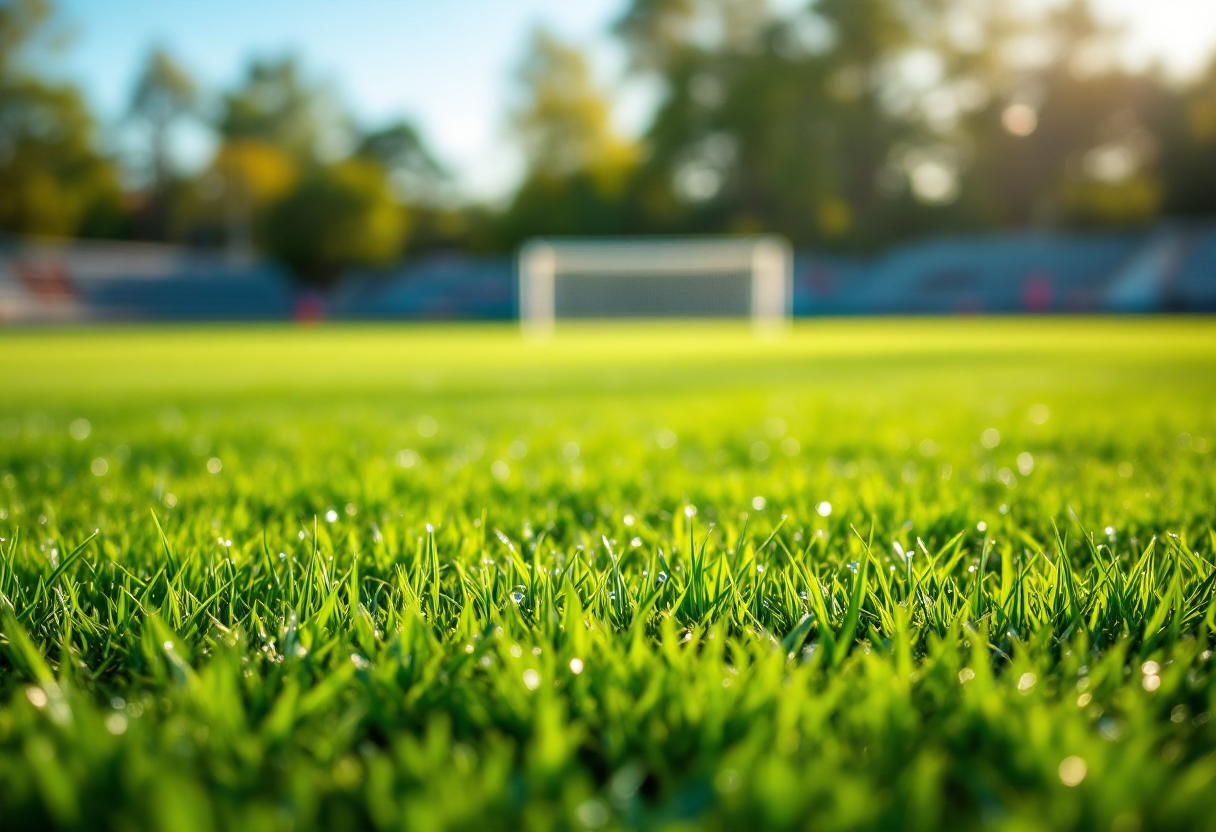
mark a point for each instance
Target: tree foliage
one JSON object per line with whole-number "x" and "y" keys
{"x": 856, "y": 123}
{"x": 577, "y": 164}
{"x": 54, "y": 180}
{"x": 163, "y": 95}
{"x": 336, "y": 216}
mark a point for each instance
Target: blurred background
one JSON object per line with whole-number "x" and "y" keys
{"x": 380, "y": 159}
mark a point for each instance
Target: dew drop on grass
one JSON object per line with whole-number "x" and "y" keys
{"x": 727, "y": 781}
{"x": 758, "y": 503}
{"x": 214, "y": 466}
{"x": 331, "y": 516}
{"x": 660, "y": 578}
{"x": 80, "y": 429}
{"x": 823, "y": 509}
{"x": 775, "y": 427}
{"x": 592, "y": 814}
{"x": 531, "y": 679}
{"x": 576, "y": 666}
{"x": 116, "y": 723}
{"x": 427, "y": 426}
{"x": 1072, "y": 771}
{"x": 517, "y": 597}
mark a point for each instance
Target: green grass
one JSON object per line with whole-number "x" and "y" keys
{"x": 447, "y": 579}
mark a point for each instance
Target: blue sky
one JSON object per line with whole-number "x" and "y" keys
{"x": 445, "y": 63}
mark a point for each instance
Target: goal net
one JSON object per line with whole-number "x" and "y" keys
{"x": 678, "y": 277}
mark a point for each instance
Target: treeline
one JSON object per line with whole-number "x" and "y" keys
{"x": 847, "y": 125}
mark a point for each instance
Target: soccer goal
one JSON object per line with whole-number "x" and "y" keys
{"x": 673, "y": 277}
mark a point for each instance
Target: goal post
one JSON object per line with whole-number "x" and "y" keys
{"x": 657, "y": 277}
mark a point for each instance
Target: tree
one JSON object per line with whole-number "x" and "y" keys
{"x": 855, "y": 123}
{"x": 336, "y": 216}
{"x": 163, "y": 95}
{"x": 763, "y": 126}
{"x": 273, "y": 126}
{"x": 55, "y": 182}
{"x": 415, "y": 174}
{"x": 660, "y": 33}
{"x": 563, "y": 121}
{"x": 277, "y": 105}
{"x": 577, "y": 168}
{"x": 1188, "y": 153}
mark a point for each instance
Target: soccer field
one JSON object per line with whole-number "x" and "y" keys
{"x": 874, "y": 574}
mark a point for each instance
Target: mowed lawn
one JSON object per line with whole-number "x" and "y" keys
{"x": 880, "y": 574}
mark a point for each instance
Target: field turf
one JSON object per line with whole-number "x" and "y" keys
{"x": 876, "y": 575}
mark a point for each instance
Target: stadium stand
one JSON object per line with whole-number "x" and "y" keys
{"x": 24, "y": 296}
{"x": 1192, "y": 286}
{"x": 440, "y": 287}
{"x": 831, "y": 285}
{"x": 51, "y": 281}
{"x": 1169, "y": 268}
{"x": 1033, "y": 273}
